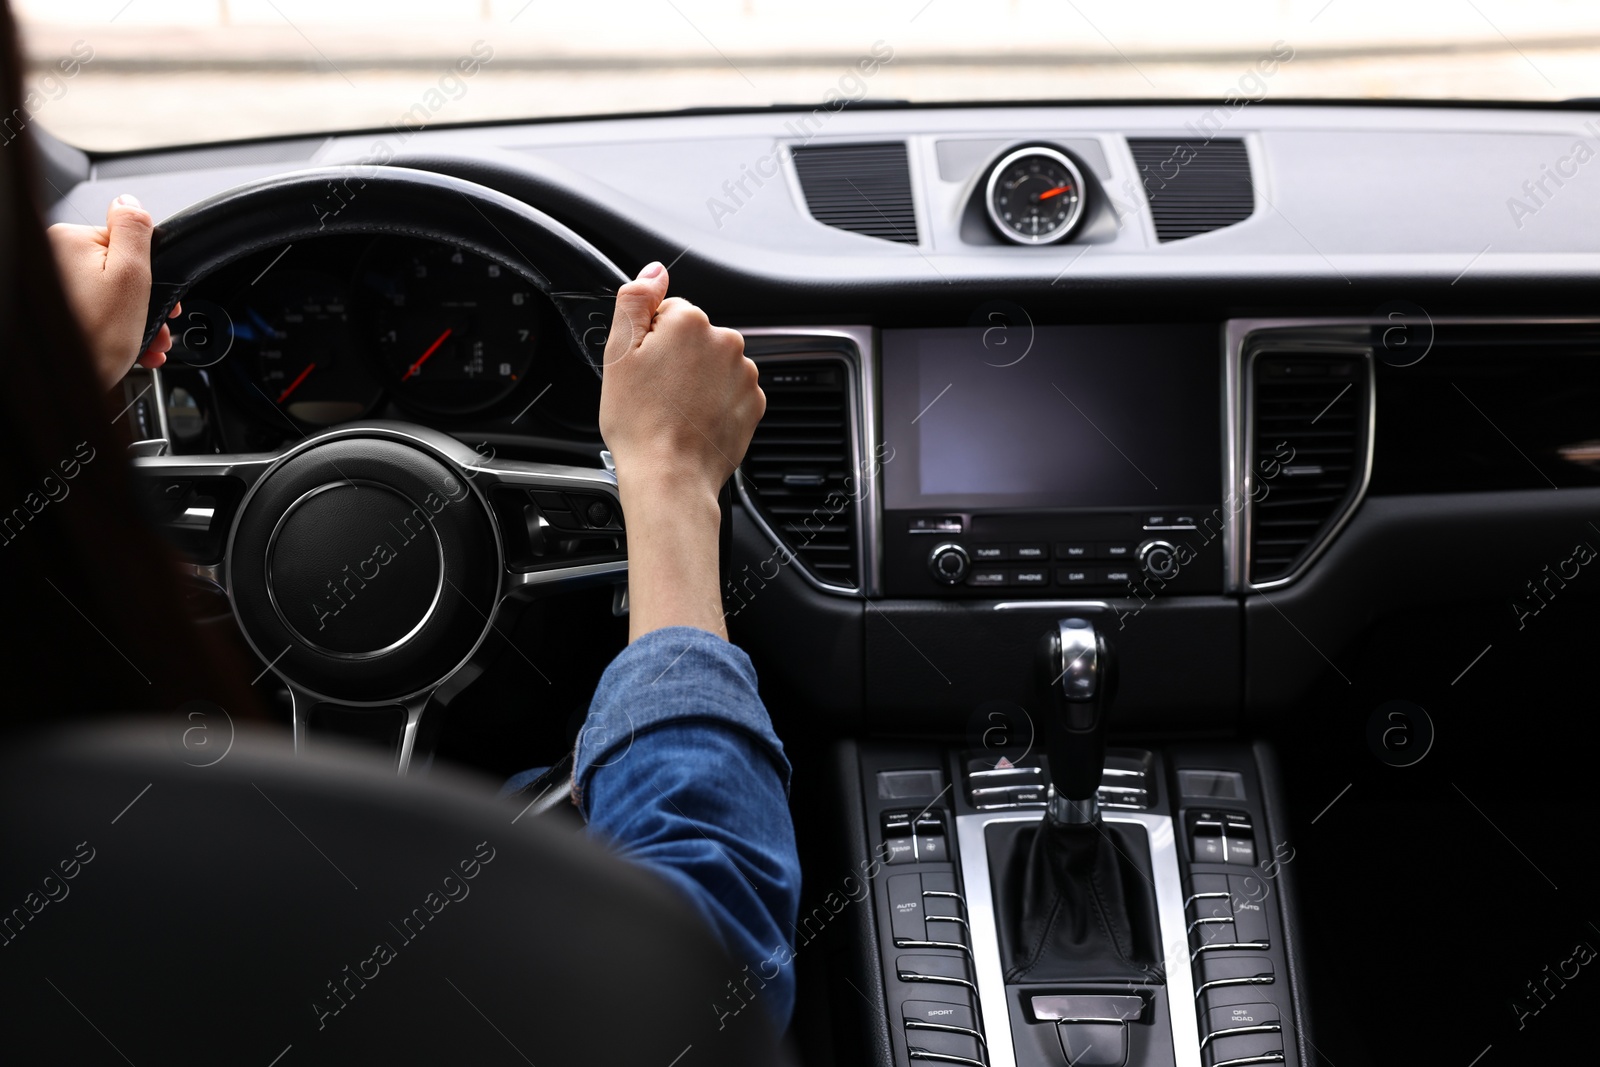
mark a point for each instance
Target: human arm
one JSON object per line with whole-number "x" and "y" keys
{"x": 678, "y": 404}
{"x": 677, "y": 763}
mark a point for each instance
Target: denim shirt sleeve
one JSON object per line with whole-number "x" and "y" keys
{"x": 678, "y": 767}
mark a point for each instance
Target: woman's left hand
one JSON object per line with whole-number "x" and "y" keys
{"x": 105, "y": 271}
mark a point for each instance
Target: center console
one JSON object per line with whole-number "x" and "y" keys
{"x": 1080, "y": 906}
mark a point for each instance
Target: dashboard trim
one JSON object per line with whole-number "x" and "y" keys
{"x": 863, "y": 438}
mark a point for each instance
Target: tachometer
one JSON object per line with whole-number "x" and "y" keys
{"x": 456, "y": 333}
{"x": 1035, "y": 196}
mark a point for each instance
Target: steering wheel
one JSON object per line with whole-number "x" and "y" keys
{"x": 368, "y": 564}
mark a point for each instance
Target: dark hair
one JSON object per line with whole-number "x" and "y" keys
{"x": 96, "y": 608}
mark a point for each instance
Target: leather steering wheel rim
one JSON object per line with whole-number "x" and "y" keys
{"x": 378, "y": 200}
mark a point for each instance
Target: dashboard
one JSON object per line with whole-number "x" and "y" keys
{"x": 1317, "y": 436}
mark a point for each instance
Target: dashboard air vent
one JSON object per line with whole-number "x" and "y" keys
{"x": 1308, "y": 452}
{"x": 796, "y": 469}
{"x": 1194, "y": 187}
{"x": 863, "y": 188}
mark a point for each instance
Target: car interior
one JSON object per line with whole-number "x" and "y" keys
{"x": 1164, "y": 553}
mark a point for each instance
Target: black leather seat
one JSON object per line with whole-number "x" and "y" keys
{"x": 268, "y": 909}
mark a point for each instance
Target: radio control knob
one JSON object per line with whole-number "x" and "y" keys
{"x": 948, "y": 563}
{"x": 1159, "y": 559}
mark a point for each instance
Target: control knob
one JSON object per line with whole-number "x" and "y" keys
{"x": 1159, "y": 559}
{"x": 948, "y": 563}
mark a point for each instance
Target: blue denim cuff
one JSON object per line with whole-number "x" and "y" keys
{"x": 674, "y": 675}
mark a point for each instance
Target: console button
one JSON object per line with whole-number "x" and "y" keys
{"x": 1209, "y": 907}
{"x": 1241, "y": 843}
{"x": 989, "y": 553}
{"x": 1254, "y": 1048}
{"x": 935, "y": 524}
{"x": 939, "y": 883}
{"x": 1240, "y": 969}
{"x": 1089, "y": 1008}
{"x": 1208, "y": 848}
{"x": 1249, "y": 912}
{"x": 899, "y": 850}
{"x": 1074, "y": 576}
{"x": 944, "y": 1045}
{"x": 905, "y": 908}
{"x": 931, "y": 848}
{"x": 1031, "y": 576}
{"x": 1074, "y": 550}
{"x": 989, "y": 576}
{"x": 937, "y": 970}
{"x": 1114, "y": 550}
{"x": 949, "y": 933}
{"x": 1032, "y": 550}
{"x": 1232, "y": 1016}
{"x": 1204, "y": 934}
{"x": 932, "y": 1011}
{"x": 1116, "y": 576}
{"x": 1094, "y": 1044}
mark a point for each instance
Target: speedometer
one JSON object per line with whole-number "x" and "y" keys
{"x": 456, "y": 333}
{"x": 295, "y": 329}
{"x": 1035, "y": 196}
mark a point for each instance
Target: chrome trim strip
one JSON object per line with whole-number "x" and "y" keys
{"x": 1052, "y": 605}
{"x": 943, "y": 918}
{"x": 953, "y": 946}
{"x": 1237, "y": 1031}
{"x": 862, "y": 394}
{"x": 923, "y": 1054}
{"x": 1205, "y": 896}
{"x": 1231, "y": 946}
{"x": 946, "y": 1028}
{"x": 1250, "y": 1061}
{"x": 917, "y": 976}
{"x": 992, "y": 1000}
{"x": 1240, "y": 333}
{"x": 1233, "y": 574}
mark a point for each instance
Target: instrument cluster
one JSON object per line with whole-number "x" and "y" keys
{"x": 323, "y": 332}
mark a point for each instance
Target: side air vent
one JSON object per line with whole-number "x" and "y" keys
{"x": 1194, "y": 187}
{"x": 1310, "y": 428}
{"x": 863, "y": 188}
{"x": 796, "y": 469}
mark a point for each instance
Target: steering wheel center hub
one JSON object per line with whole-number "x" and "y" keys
{"x": 364, "y": 566}
{"x": 355, "y": 568}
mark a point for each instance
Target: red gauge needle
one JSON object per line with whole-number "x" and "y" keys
{"x": 296, "y": 383}
{"x": 424, "y": 357}
{"x": 1057, "y": 191}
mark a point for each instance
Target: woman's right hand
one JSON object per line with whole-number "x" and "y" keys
{"x": 678, "y": 405}
{"x": 680, "y": 400}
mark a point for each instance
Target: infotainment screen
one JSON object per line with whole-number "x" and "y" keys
{"x": 1052, "y": 417}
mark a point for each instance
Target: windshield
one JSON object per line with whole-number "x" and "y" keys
{"x": 125, "y": 74}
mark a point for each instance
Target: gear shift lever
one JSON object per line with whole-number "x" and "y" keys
{"x": 1074, "y": 901}
{"x": 1078, "y": 675}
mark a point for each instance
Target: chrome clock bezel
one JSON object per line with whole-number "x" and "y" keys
{"x": 1060, "y": 232}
